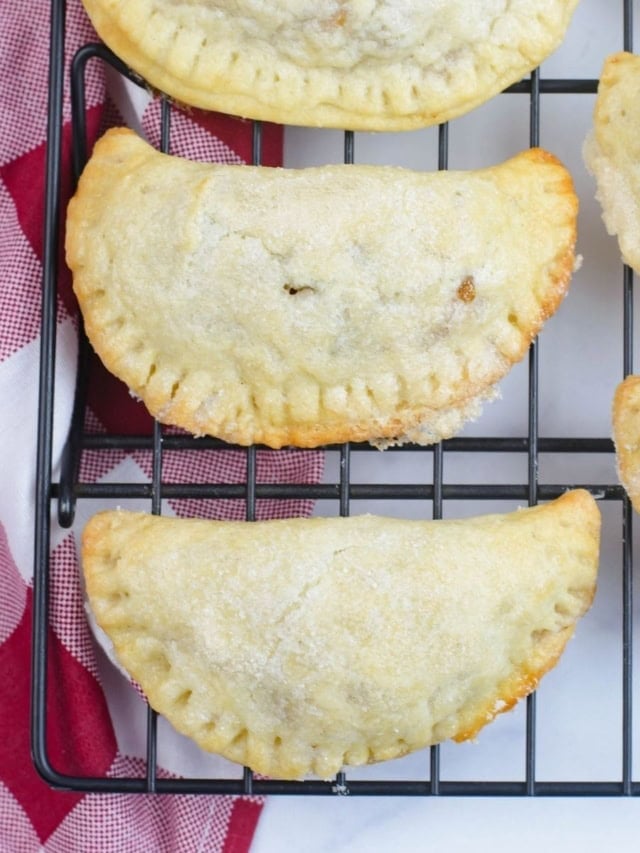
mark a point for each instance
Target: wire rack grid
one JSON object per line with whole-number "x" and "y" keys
{"x": 339, "y": 494}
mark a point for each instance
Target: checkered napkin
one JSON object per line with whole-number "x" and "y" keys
{"x": 95, "y": 718}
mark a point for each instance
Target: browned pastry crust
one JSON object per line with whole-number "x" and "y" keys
{"x": 612, "y": 152}
{"x": 626, "y": 436}
{"x": 298, "y": 646}
{"x": 304, "y": 307}
{"x": 343, "y": 63}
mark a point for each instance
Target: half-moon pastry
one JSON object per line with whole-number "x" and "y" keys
{"x": 612, "y": 152}
{"x": 356, "y": 64}
{"x": 303, "y": 307}
{"x": 626, "y": 436}
{"x": 299, "y": 646}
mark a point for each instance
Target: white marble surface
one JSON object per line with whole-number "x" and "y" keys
{"x": 579, "y": 703}
{"x": 448, "y": 825}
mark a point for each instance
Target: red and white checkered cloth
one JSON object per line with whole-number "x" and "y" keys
{"x": 95, "y": 719}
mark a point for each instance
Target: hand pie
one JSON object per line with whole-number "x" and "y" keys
{"x": 310, "y": 306}
{"x": 299, "y": 646}
{"x": 612, "y": 152}
{"x": 626, "y": 436}
{"x": 355, "y": 64}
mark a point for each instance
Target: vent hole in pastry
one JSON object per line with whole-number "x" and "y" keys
{"x": 174, "y": 388}
{"x": 277, "y": 741}
{"x": 513, "y": 320}
{"x": 294, "y": 290}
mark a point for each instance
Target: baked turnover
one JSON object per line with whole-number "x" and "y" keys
{"x": 304, "y": 307}
{"x": 626, "y": 436}
{"x": 359, "y": 64}
{"x": 612, "y": 152}
{"x": 299, "y": 646}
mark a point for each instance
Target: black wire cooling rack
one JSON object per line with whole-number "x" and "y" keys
{"x": 61, "y": 496}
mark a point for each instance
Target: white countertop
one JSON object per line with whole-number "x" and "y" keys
{"x": 365, "y": 825}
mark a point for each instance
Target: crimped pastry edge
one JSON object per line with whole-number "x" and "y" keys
{"x": 395, "y": 428}
{"x": 573, "y": 508}
{"x": 626, "y": 404}
{"x": 619, "y": 205}
{"x": 220, "y": 96}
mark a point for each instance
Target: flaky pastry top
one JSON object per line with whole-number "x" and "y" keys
{"x": 302, "y": 307}
{"x": 298, "y": 646}
{"x": 358, "y": 64}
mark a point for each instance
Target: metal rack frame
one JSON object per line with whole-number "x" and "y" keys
{"x": 68, "y": 489}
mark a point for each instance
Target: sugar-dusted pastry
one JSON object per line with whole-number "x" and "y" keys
{"x": 612, "y": 152}
{"x": 359, "y": 64}
{"x": 301, "y": 307}
{"x": 626, "y": 436}
{"x": 299, "y": 646}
